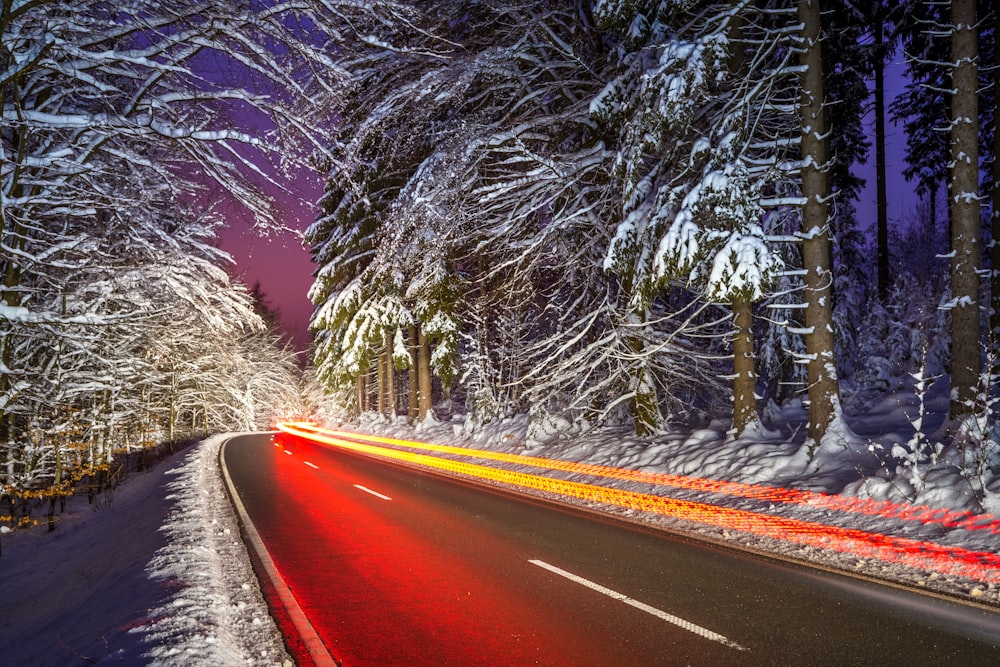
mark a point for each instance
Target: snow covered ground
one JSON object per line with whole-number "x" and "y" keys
{"x": 157, "y": 574}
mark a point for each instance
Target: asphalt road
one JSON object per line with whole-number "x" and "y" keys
{"x": 397, "y": 567}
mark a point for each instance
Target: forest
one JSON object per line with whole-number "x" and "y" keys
{"x": 645, "y": 213}
{"x": 596, "y": 213}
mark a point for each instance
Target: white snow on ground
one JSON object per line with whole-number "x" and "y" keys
{"x": 216, "y": 614}
{"x": 156, "y": 575}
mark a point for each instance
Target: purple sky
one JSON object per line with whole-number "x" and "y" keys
{"x": 279, "y": 261}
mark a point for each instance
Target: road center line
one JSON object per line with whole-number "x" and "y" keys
{"x": 288, "y": 452}
{"x": 669, "y": 618}
{"x": 311, "y": 465}
{"x": 374, "y": 493}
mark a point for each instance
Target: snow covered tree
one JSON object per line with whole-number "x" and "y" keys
{"x": 708, "y": 120}
{"x": 481, "y": 176}
{"x": 114, "y": 116}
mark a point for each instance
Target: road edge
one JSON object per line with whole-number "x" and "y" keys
{"x": 314, "y": 646}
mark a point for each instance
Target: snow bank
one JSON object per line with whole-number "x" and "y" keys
{"x": 155, "y": 572}
{"x": 216, "y": 614}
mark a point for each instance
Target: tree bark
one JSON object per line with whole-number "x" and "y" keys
{"x": 744, "y": 360}
{"x": 413, "y": 406}
{"x": 423, "y": 375}
{"x": 744, "y": 368}
{"x": 964, "y": 209}
{"x": 882, "y": 222}
{"x": 380, "y": 382}
{"x": 390, "y": 378}
{"x": 823, "y": 390}
{"x": 645, "y": 404}
{"x": 995, "y": 194}
{"x": 361, "y": 392}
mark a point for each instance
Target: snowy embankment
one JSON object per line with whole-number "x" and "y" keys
{"x": 158, "y": 575}
{"x": 856, "y": 508}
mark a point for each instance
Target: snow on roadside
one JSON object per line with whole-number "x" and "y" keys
{"x": 216, "y": 614}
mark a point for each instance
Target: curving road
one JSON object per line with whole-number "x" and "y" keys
{"x": 398, "y": 567}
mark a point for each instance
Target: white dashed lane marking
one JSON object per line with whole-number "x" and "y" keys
{"x": 374, "y": 493}
{"x": 669, "y": 618}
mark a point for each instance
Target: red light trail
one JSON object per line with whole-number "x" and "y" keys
{"x": 958, "y": 561}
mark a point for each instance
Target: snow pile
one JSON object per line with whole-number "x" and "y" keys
{"x": 216, "y": 614}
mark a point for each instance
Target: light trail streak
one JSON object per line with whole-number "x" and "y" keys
{"x": 813, "y": 499}
{"x": 862, "y": 544}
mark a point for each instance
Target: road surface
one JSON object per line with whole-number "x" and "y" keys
{"x": 398, "y": 567}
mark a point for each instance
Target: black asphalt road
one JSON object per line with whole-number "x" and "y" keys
{"x": 397, "y": 567}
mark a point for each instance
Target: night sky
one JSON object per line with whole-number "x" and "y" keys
{"x": 279, "y": 261}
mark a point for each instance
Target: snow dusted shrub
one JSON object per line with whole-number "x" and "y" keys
{"x": 975, "y": 449}
{"x": 961, "y": 472}
{"x": 899, "y": 337}
{"x": 913, "y": 459}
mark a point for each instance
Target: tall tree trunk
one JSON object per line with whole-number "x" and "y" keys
{"x": 380, "y": 382}
{"x": 824, "y": 393}
{"x": 361, "y": 393}
{"x": 964, "y": 209}
{"x": 390, "y": 378}
{"x": 884, "y": 280}
{"x": 995, "y": 194}
{"x": 413, "y": 407}
{"x": 645, "y": 405}
{"x": 932, "y": 191}
{"x": 423, "y": 375}
{"x": 172, "y": 417}
{"x": 744, "y": 368}
{"x": 744, "y": 360}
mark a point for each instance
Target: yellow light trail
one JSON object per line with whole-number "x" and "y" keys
{"x": 943, "y": 517}
{"x": 978, "y": 565}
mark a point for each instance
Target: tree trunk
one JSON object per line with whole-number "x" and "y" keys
{"x": 423, "y": 375}
{"x": 824, "y": 393}
{"x": 379, "y": 382}
{"x": 390, "y": 378}
{"x": 744, "y": 369}
{"x": 995, "y": 194}
{"x": 413, "y": 407}
{"x": 646, "y": 416}
{"x": 744, "y": 360}
{"x": 932, "y": 191}
{"x": 964, "y": 209}
{"x": 884, "y": 280}
{"x": 359, "y": 393}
